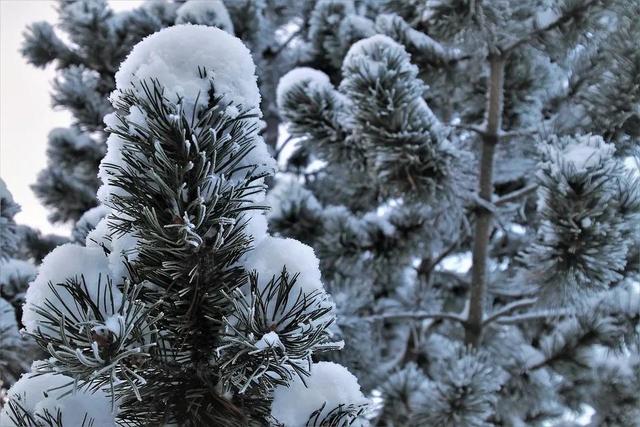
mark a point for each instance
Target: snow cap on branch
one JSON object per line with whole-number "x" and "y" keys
{"x": 268, "y": 258}
{"x": 174, "y": 55}
{"x": 87, "y": 266}
{"x": 300, "y": 76}
{"x": 329, "y": 387}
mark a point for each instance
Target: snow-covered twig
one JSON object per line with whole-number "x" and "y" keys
{"x": 513, "y": 196}
{"x": 509, "y": 308}
{"x": 414, "y": 315}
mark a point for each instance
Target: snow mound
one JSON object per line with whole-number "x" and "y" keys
{"x": 329, "y": 383}
{"x": 69, "y": 261}
{"x": 212, "y": 13}
{"x": 42, "y": 394}
{"x": 173, "y": 56}
{"x": 268, "y": 258}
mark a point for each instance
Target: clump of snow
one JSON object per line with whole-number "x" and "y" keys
{"x": 268, "y": 258}
{"x": 302, "y": 75}
{"x": 329, "y": 383}
{"x": 69, "y": 261}
{"x": 256, "y": 226}
{"x": 44, "y": 394}
{"x": 113, "y": 156}
{"x": 99, "y": 236}
{"x": 271, "y": 339}
{"x": 89, "y": 220}
{"x": 211, "y": 12}
{"x": 80, "y": 406}
{"x": 173, "y": 56}
{"x": 123, "y": 247}
{"x": 381, "y": 222}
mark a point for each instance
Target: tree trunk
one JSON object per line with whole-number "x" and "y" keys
{"x": 490, "y": 137}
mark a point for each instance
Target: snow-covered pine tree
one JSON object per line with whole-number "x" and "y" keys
{"x": 181, "y": 309}
{"x": 15, "y": 274}
{"x": 95, "y": 40}
{"x": 464, "y": 171}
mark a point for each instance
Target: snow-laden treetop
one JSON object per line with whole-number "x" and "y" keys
{"x": 191, "y": 63}
{"x": 174, "y": 56}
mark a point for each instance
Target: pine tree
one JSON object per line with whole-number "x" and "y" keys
{"x": 181, "y": 309}
{"x": 97, "y": 39}
{"x": 464, "y": 171}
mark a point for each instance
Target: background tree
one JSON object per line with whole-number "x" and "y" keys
{"x": 181, "y": 309}
{"x": 97, "y": 39}
{"x": 15, "y": 274}
{"x": 465, "y": 172}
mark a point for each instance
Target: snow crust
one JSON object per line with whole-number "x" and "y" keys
{"x": 122, "y": 247}
{"x": 210, "y": 12}
{"x": 66, "y": 262}
{"x": 300, "y": 75}
{"x": 39, "y": 394}
{"x": 328, "y": 383}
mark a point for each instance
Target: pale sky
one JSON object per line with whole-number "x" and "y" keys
{"x": 26, "y": 116}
